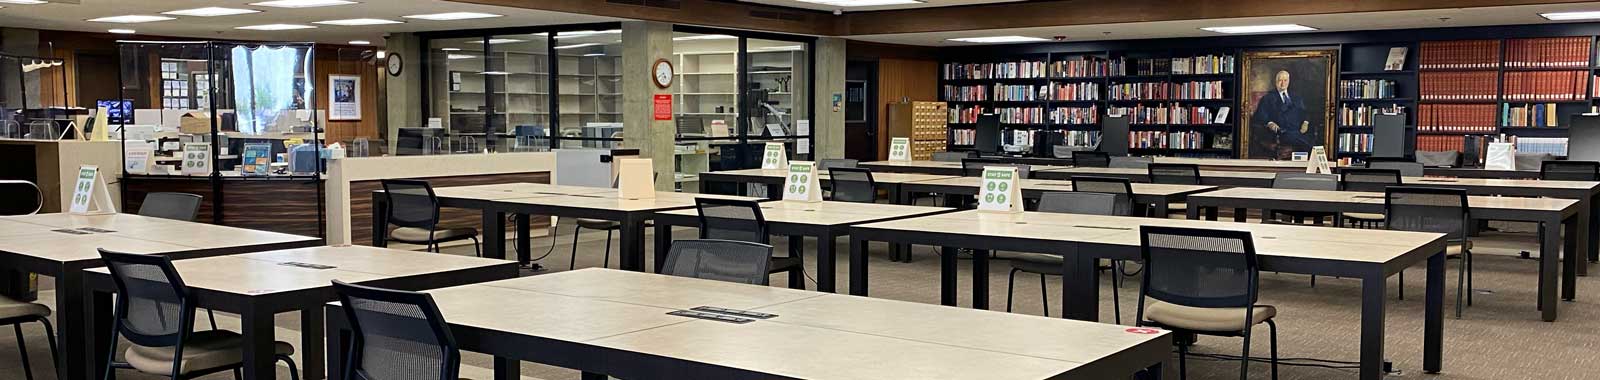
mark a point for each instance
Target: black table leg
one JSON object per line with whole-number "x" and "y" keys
{"x": 524, "y": 240}
{"x": 947, "y": 275}
{"x": 592, "y": 376}
{"x": 1239, "y": 214}
{"x": 858, "y": 267}
{"x": 311, "y": 363}
{"x": 826, "y": 262}
{"x": 980, "y": 279}
{"x": 1594, "y": 232}
{"x": 898, "y": 195}
{"x": 85, "y": 350}
{"x": 663, "y": 244}
{"x": 494, "y": 234}
{"x": 1549, "y": 268}
{"x": 1373, "y": 288}
{"x": 380, "y": 220}
{"x": 632, "y": 247}
{"x": 1433, "y": 322}
{"x": 1571, "y": 262}
{"x": 258, "y": 341}
{"x": 1151, "y": 373}
{"x": 337, "y": 340}
{"x": 1193, "y": 212}
{"x": 797, "y": 248}
{"x": 509, "y": 369}
{"x": 1080, "y": 293}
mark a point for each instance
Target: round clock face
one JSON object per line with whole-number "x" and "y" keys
{"x": 395, "y": 64}
{"x": 663, "y": 73}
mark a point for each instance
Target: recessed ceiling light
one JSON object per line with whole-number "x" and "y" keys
{"x": 131, "y": 19}
{"x": 460, "y": 56}
{"x": 448, "y": 16}
{"x": 788, "y": 47}
{"x": 450, "y": 49}
{"x": 24, "y": 2}
{"x": 493, "y": 41}
{"x": 122, "y": 31}
{"x": 381, "y": 54}
{"x": 594, "y": 54}
{"x": 360, "y": 42}
{"x": 359, "y": 22}
{"x": 276, "y": 27}
{"x": 495, "y": 73}
{"x": 1259, "y": 28}
{"x": 583, "y": 33}
{"x": 587, "y": 44}
{"x": 1563, "y": 16}
{"x": 302, "y": 3}
{"x": 997, "y": 39}
{"x": 860, "y": 3}
{"x": 705, "y": 37}
{"x": 210, "y": 12}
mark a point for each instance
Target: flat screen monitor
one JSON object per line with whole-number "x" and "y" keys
{"x": 987, "y": 140}
{"x": 118, "y": 111}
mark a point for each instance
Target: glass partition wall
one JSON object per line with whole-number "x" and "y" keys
{"x": 33, "y": 96}
{"x": 737, "y": 91}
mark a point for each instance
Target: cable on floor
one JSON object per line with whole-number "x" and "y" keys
{"x": 512, "y": 220}
{"x": 1294, "y": 362}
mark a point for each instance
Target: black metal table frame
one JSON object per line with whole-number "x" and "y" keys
{"x": 1162, "y": 203}
{"x": 775, "y": 189}
{"x": 631, "y": 247}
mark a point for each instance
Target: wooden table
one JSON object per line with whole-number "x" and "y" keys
{"x": 615, "y": 323}
{"x": 1143, "y": 193}
{"x": 1207, "y": 177}
{"x": 1551, "y": 215}
{"x": 827, "y": 221}
{"x": 774, "y": 179}
{"x": 1483, "y": 173}
{"x": 523, "y": 199}
{"x": 919, "y": 167}
{"x": 1369, "y": 255}
{"x": 36, "y": 244}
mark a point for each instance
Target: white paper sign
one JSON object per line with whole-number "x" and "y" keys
{"x": 900, "y": 149}
{"x": 1000, "y": 191}
{"x": 1318, "y": 162}
{"x": 136, "y": 157}
{"x": 196, "y": 158}
{"x": 1501, "y": 156}
{"x": 435, "y": 122}
{"x": 775, "y": 157}
{"x": 634, "y": 178}
{"x": 89, "y": 195}
{"x": 802, "y": 128}
{"x": 802, "y": 183}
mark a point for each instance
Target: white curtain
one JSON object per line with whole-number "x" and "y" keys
{"x": 264, "y": 86}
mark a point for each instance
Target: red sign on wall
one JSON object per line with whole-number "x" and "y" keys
{"x": 663, "y": 106}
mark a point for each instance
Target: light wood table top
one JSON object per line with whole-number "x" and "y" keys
{"x": 1236, "y": 162}
{"x": 838, "y": 336}
{"x": 265, "y": 273}
{"x": 1496, "y": 182}
{"x": 518, "y": 190}
{"x": 916, "y": 164}
{"x": 830, "y": 213}
{"x": 130, "y": 233}
{"x": 1474, "y": 201}
{"x": 664, "y": 200}
{"x": 1066, "y": 185}
{"x": 1141, "y": 172}
{"x": 879, "y": 177}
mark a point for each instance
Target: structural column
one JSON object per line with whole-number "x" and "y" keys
{"x": 828, "y": 128}
{"x": 643, "y": 43}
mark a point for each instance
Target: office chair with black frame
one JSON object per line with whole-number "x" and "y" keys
{"x": 175, "y": 206}
{"x": 722, "y": 260}
{"x": 395, "y": 335}
{"x": 852, "y": 185}
{"x": 1367, "y": 180}
{"x": 741, "y": 220}
{"x": 1043, "y": 264}
{"x": 1569, "y": 171}
{"x": 1174, "y": 174}
{"x": 1091, "y": 159}
{"x": 16, "y": 313}
{"x": 414, "y": 207}
{"x": 1200, "y": 280}
{"x": 1437, "y": 210}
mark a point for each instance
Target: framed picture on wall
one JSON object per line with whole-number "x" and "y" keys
{"x": 1288, "y": 102}
{"x": 344, "y": 97}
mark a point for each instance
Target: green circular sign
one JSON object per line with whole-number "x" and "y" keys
{"x": 988, "y": 198}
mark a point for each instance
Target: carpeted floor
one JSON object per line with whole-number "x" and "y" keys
{"x": 1500, "y": 337}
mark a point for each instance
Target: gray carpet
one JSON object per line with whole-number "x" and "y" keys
{"x": 1500, "y": 337}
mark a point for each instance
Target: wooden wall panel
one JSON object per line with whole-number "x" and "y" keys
{"x": 916, "y": 79}
{"x": 287, "y": 206}
{"x": 330, "y": 61}
{"x": 361, "y": 202}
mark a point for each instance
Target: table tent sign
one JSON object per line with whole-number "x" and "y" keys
{"x": 196, "y": 158}
{"x": 775, "y": 157}
{"x": 1318, "y": 162}
{"x": 900, "y": 149}
{"x": 90, "y": 195}
{"x": 1501, "y": 156}
{"x": 634, "y": 178}
{"x": 1000, "y": 191}
{"x": 802, "y": 183}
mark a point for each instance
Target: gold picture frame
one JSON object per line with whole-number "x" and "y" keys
{"x": 1312, "y": 77}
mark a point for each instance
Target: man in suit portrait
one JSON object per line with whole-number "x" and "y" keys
{"x": 1279, "y": 125}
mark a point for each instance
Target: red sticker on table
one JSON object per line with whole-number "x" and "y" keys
{"x": 1141, "y": 330}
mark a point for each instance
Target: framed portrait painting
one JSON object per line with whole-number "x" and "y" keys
{"x": 1288, "y": 102}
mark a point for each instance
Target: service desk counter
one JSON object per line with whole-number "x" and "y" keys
{"x": 351, "y": 182}
{"x": 53, "y": 166}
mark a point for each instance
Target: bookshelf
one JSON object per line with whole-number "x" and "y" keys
{"x": 588, "y": 87}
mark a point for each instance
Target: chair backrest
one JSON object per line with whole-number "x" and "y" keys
{"x": 1372, "y": 180}
{"x": 1570, "y": 171}
{"x": 1439, "y": 158}
{"x": 1406, "y": 168}
{"x": 1198, "y": 267}
{"x": 1122, "y": 188}
{"x": 852, "y": 185}
{"x": 1077, "y": 202}
{"x": 1174, "y": 174}
{"x": 398, "y": 335}
{"x": 953, "y": 156}
{"x": 1427, "y": 209}
{"x": 176, "y": 206}
{"x": 830, "y": 163}
{"x": 411, "y": 203}
{"x": 1533, "y": 161}
{"x": 1131, "y": 162}
{"x": 722, "y": 260}
{"x": 154, "y": 307}
{"x": 1090, "y": 159}
{"x": 1305, "y": 181}
{"x": 729, "y": 219}
{"x": 1065, "y": 151}
{"x": 974, "y": 166}
{"x": 22, "y": 197}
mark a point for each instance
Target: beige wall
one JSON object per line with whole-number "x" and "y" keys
{"x": 829, "y": 126}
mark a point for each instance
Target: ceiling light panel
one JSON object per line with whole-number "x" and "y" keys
{"x": 131, "y": 19}
{"x": 359, "y": 22}
{"x": 1564, "y": 16}
{"x": 450, "y": 16}
{"x": 861, "y": 3}
{"x": 302, "y": 3}
{"x": 276, "y": 27}
{"x": 23, "y": 2}
{"x": 210, "y": 12}
{"x": 1275, "y": 28}
{"x": 998, "y": 39}
{"x": 122, "y": 31}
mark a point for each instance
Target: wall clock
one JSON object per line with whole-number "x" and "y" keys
{"x": 395, "y": 64}
{"x": 662, "y": 73}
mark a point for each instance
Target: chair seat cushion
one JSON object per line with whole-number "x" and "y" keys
{"x": 205, "y": 350}
{"x": 1205, "y": 318}
{"x": 598, "y": 224}
{"x": 420, "y": 235}
{"x": 1037, "y": 263}
{"x": 10, "y": 308}
{"x": 1364, "y": 216}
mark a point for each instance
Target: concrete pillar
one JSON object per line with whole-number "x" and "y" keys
{"x": 644, "y": 42}
{"x": 828, "y": 128}
{"x": 404, "y": 99}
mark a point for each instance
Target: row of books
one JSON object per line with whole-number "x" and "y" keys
{"x": 1551, "y": 145}
{"x": 1548, "y": 52}
{"x": 1074, "y": 91}
{"x": 1529, "y": 115}
{"x": 1020, "y": 115}
{"x": 1545, "y": 85}
{"x": 965, "y": 93}
{"x": 960, "y": 136}
{"x": 1445, "y": 143}
{"x": 1022, "y": 92}
{"x": 1203, "y": 64}
{"x": 1072, "y": 138}
{"x": 1478, "y": 54}
{"x": 1166, "y": 140}
{"x": 1018, "y": 92}
{"x": 999, "y": 70}
{"x": 1459, "y": 118}
{"x": 1361, "y": 115}
{"x": 1171, "y": 114}
{"x": 1075, "y": 115}
{"x": 1079, "y": 138}
{"x": 1020, "y": 137}
{"x": 1470, "y": 86}
{"x": 1354, "y": 142}
{"x": 1167, "y": 91}
{"x": 963, "y": 114}
{"x": 1082, "y": 67}
{"x": 1367, "y": 89}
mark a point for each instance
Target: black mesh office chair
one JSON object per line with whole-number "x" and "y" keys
{"x": 1050, "y": 265}
{"x": 1437, "y": 210}
{"x": 1174, "y": 174}
{"x": 1570, "y": 171}
{"x": 175, "y": 206}
{"x": 1367, "y": 180}
{"x": 607, "y": 225}
{"x": 726, "y": 219}
{"x": 1305, "y": 181}
{"x": 1406, "y": 168}
{"x": 414, "y": 208}
{"x": 1091, "y": 159}
{"x": 722, "y": 260}
{"x": 1130, "y": 162}
{"x": 16, "y": 313}
{"x": 1121, "y": 187}
{"x": 396, "y": 335}
{"x": 22, "y": 197}
{"x": 155, "y": 312}
{"x": 975, "y": 166}
{"x": 953, "y": 156}
{"x": 852, "y": 185}
{"x": 829, "y": 163}
{"x": 1203, "y": 281}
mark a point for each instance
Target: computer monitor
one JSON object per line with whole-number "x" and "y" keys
{"x": 117, "y": 111}
{"x": 987, "y": 140}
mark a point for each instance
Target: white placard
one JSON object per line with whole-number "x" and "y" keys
{"x": 136, "y": 157}
{"x": 634, "y": 178}
{"x": 900, "y": 149}
{"x": 802, "y": 128}
{"x": 775, "y": 157}
{"x": 1000, "y": 191}
{"x": 802, "y": 183}
{"x": 435, "y": 122}
{"x": 776, "y": 130}
{"x": 1501, "y": 156}
{"x": 89, "y": 195}
{"x": 196, "y": 158}
{"x": 344, "y": 97}
{"x": 1318, "y": 162}
{"x": 719, "y": 128}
